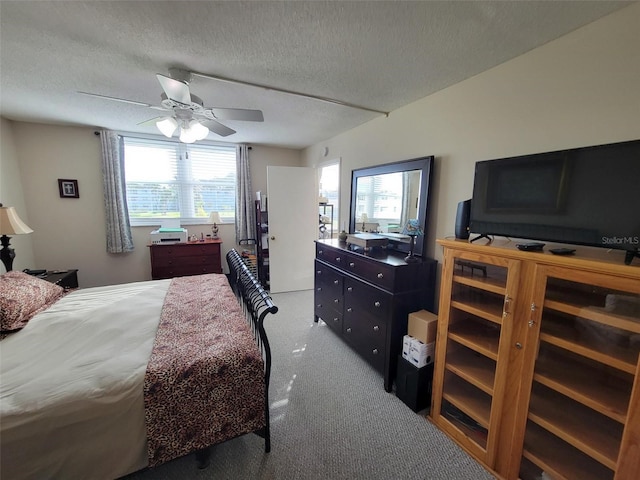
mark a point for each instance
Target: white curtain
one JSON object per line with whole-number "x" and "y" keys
{"x": 119, "y": 239}
{"x": 245, "y": 206}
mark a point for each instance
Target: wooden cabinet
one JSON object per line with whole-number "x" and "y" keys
{"x": 537, "y": 361}
{"x": 366, "y": 299}
{"x": 182, "y": 259}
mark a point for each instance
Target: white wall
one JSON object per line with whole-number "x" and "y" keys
{"x": 11, "y": 196}
{"x": 582, "y": 89}
{"x": 70, "y": 233}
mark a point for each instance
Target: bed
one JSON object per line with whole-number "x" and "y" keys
{"x": 105, "y": 381}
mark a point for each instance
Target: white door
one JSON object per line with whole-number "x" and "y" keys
{"x": 293, "y": 227}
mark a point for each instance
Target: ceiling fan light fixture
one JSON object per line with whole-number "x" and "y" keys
{"x": 187, "y": 134}
{"x": 199, "y": 130}
{"x": 167, "y": 126}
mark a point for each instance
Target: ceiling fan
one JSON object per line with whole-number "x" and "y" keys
{"x": 185, "y": 112}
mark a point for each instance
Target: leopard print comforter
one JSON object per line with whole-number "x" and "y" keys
{"x": 204, "y": 383}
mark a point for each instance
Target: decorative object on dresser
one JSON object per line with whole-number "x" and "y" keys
{"x": 181, "y": 259}
{"x": 537, "y": 373}
{"x": 214, "y": 218}
{"x": 366, "y": 299}
{"x": 413, "y": 229}
{"x": 10, "y": 224}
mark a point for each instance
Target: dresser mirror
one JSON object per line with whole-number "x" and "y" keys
{"x": 385, "y": 197}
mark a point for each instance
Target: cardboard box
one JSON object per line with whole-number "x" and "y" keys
{"x": 406, "y": 346}
{"x": 421, "y": 354}
{"x": 423, "y": 326}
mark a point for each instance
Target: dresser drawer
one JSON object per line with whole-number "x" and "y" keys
{"x": 375, "y": 272}
{"x": 185, "y": 250}
{"x": 368, "y": 335}
{"x": 206, "y": 260}
{"x": 328, "y": 279}
{"x": 182, "y": 271}
{"x": 360, "y": 297}
{"x": 324, "y": 310}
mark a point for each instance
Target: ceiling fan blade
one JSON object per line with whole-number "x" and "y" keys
{"x": 217, "y": 127}
{"x": 123, "y": 100}
{"x": 238, "y": 114}
{"x": 176, "y": 90}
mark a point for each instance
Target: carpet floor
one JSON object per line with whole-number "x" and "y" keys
{"x": 330, "y": 418}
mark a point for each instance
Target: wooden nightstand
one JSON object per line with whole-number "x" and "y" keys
{"x": 67, "y": 279}
{"x": 182, "y": 259}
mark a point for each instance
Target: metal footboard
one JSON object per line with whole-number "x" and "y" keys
{"x": 256, "y": 304}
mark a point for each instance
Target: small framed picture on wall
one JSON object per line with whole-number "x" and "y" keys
{"x": 68, "y": 188}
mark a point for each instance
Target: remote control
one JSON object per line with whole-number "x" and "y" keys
{"x": 562, "y": 251}
{"x": 530, "y": 247}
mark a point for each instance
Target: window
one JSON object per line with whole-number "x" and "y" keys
{"x": 174, "y": 180}
{"x": 329, "y": 187}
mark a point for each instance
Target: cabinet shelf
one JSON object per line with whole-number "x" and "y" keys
{"x": 472, "y": 367}
{"x": 489, "y": 284}
{"x": 563, "y": 334}
{"x": 468, "y": 399}
{"x": 597, "y": 314}
{"x": 559, "y": 459}
{"x": 575, "y": 380}
{"x": 478, "y": 337}
{"x": 593, "y": 434}
{"x": 483, "y": 309}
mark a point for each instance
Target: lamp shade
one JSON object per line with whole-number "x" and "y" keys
{"x": 413, "y": 228}
{"x": 214, "y": 217}
{"x": 10, "y": 222}
{"x": 167, "y": 126}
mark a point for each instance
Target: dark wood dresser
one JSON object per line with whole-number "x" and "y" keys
{"x": 366, "y": 299}
{"x": 182, "y": 259}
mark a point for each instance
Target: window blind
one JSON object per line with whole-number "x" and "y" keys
{"x": 175, "y": 180}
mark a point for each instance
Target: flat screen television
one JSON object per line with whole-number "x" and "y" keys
{"x": 582, "y": 196}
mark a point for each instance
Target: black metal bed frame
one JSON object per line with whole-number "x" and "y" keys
{"x": 256, "y": 304}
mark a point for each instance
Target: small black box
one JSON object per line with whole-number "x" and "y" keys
{"x": 413, "y": 384}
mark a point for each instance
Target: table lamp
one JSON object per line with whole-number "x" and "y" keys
{"x": 413, "y": 229}
{"x": 10, "y": 224}
{"x": 214, "y": 217}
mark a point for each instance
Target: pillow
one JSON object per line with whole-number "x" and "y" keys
{"x": 22, "y": 296}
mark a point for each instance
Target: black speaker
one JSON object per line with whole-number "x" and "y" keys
{"x": 463, "y": 216}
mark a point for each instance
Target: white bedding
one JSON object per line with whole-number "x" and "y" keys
{"x": 95, "y": 340}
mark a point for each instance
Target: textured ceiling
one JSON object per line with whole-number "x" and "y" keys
{"x": 381, "y": 54}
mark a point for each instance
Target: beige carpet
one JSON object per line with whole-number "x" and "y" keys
{"x": 330, "y": 417}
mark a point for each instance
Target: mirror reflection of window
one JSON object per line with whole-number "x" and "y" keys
{"x": 388, "y": 200}
{"x": 329, "y": 188}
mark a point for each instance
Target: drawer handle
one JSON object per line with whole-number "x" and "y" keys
{"x": 319, "y": 305}
{"x": 377, "y": 304}
{"x": 319, "y": 252}
{"x": 336, "y": 282}
{"x": 380, "y": 275}
{"x": 319, "y": 272}
{"x": 375, "y": 351}
{"x": 319, "y": 289}
{"x": 349, "y": 289}
{"x": 351, "y": 264}
{"x": 349, "y": 330}
{"x": 376, "y": 328}
{"x": 349, "y": 309}
{"x": 337, "y": 300}
{"x": 337, "y": 260}
{"x": 336, "y": 319}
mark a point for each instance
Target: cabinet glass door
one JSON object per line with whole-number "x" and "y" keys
{"x": 473, "y": 342}
{"x": 583, "y": 378}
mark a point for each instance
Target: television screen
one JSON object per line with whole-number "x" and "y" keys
{"x": 584, "y": 196}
